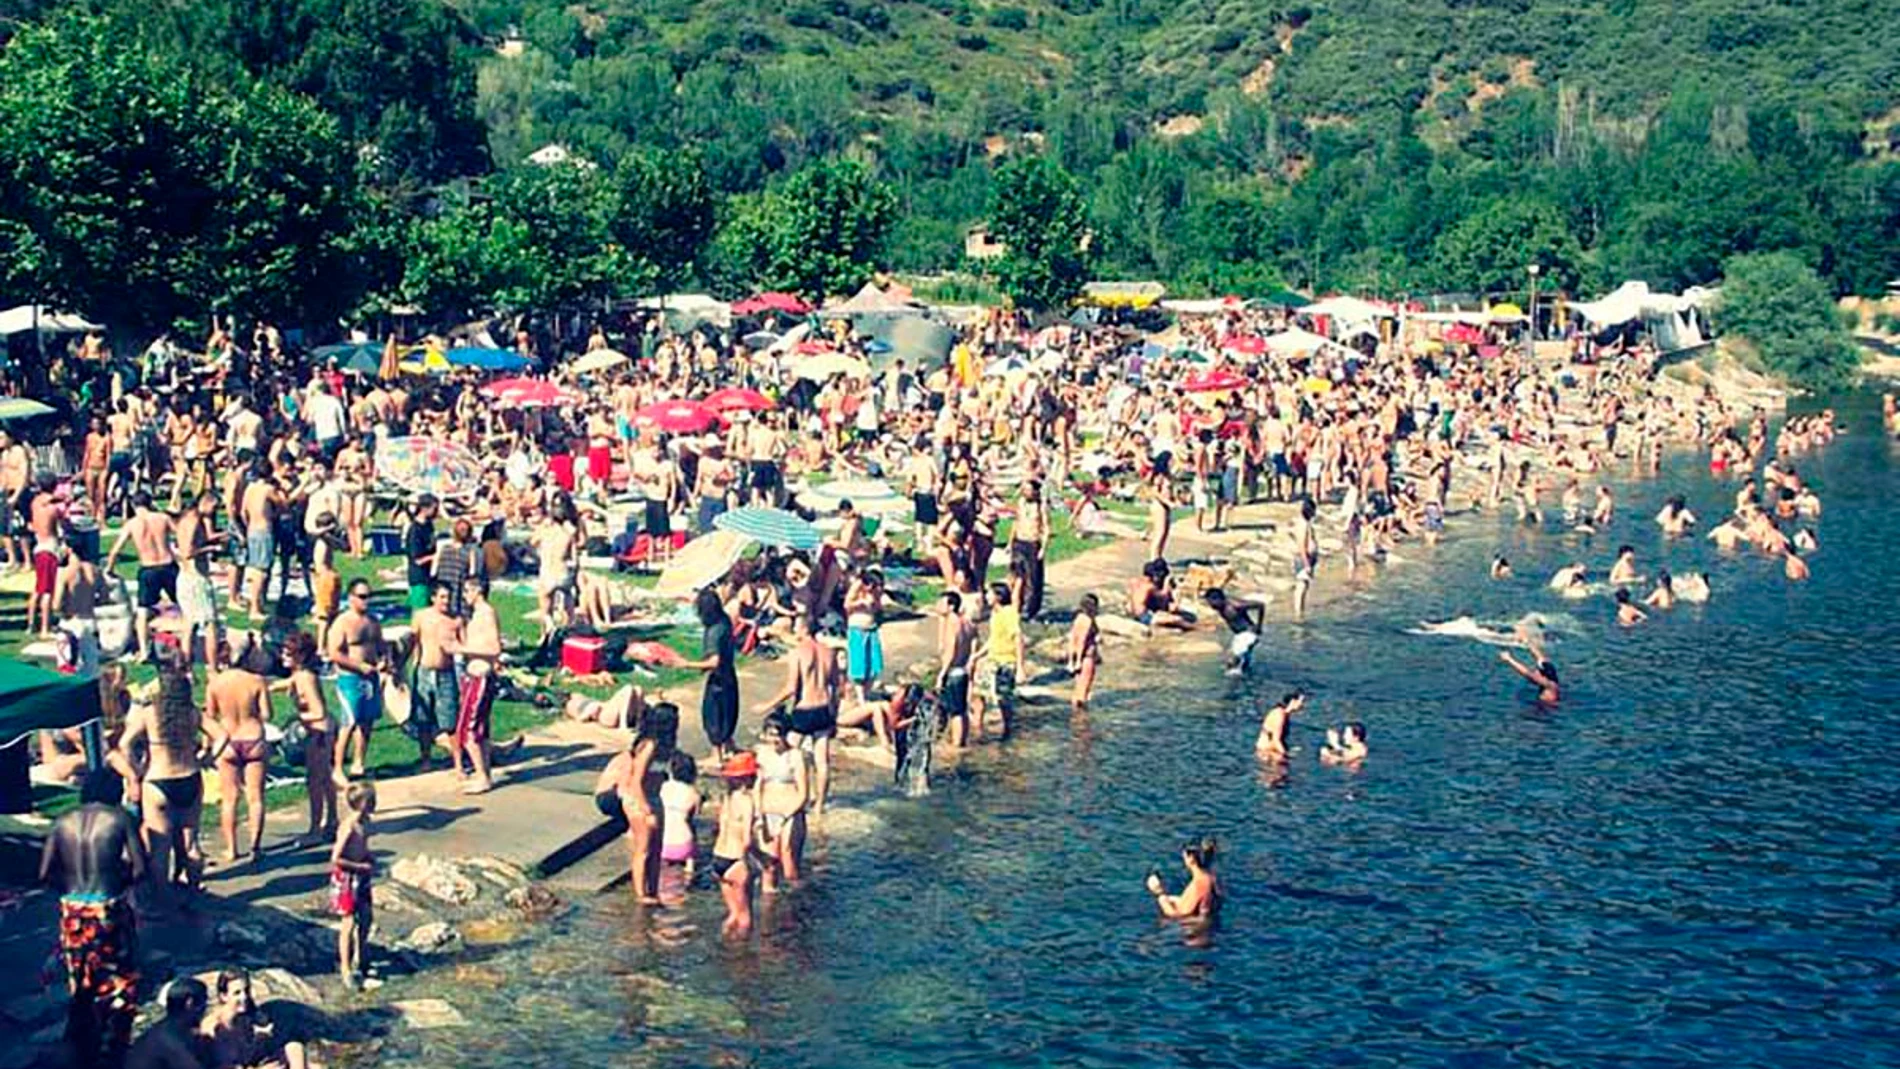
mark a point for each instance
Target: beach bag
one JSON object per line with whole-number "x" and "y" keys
{"x": 396, "y": 699}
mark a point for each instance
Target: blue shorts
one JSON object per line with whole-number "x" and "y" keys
{"x": 864, "y": 652}
{"x": 259, "y": 548}
{"x": 361, "y": 698}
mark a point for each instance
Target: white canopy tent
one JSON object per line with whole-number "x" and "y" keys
{"x": 36, "y": 317}
{"x": 1297, "y": 342}
{"x": 869, "y": 300}
{"x": 1347, "y": 310}
{"x": 1673, "y": 320}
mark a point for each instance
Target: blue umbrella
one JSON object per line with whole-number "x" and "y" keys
{"x": 769, "y": 526}
{"x": 487, "y": 359}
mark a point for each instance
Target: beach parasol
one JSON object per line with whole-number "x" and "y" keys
{"x": 760, "y": 339}
{"x": 828, "y": 365}
{"x": 356, "y": 357}
{"x": 1316, "y": 385}
{"x": 428, "y": 466}
{"x": 736, "y": 399}
{"x": 527, "y": 393}
{"x": 487, "y": 359}
{"x": 700, "y": 563}
{"x": 22, "y": 408}
{"x": 771, "y": 302}
{"x": 676, "y": 417}
{"x": 1212, "y": 381}
{"x": 769, "y": 526}
{"x": 1012, "y": 364}
{"x": 1505, "y": 310}
{"x": 432, "y": 363}
{"x": 1245, "y": 344}
{"x": 599, "y": 360}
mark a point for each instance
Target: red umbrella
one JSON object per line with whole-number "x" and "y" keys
{"x": 812, "y": 348}
{"x": 527, "y": 393}
{"x": 735, "y": 399}
{"x": 1214, "y": 380}
{"x": 677, "y": 417}
{"x": 771, "y": 302}
{"x": 1249, "y": 344}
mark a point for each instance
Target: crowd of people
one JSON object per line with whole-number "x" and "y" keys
{"x": 253, "y": 471}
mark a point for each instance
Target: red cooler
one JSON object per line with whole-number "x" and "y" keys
{"x": 584, "y": 656}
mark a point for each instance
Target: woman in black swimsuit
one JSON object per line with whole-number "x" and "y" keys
{"x": 173, "y": 800}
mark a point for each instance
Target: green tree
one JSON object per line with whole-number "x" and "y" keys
{"x": 823, "y": 230}
{"x": 663, "y": 215}
{"x": 1038, "y": 214}
{"x": 133, "y": 188}
{"x": 1489, "y": 249}
{"x": 1781, "y": 306}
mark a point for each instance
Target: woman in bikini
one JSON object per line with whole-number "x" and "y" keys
{"x": 784, "y": 793}
{"x": 353, "y": 477}
{"x": 652, "y": 749}
{"x": 737, "y": 851}
{"x": 1085, "y": 651}
{"x": 172, "y": 801}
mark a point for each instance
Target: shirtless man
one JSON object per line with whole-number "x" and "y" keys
{"x": 47, "y": 518}
{"x": 16, "y": 467}
{"x": 151, "y": 533}
{"x": 557, "y": 545}
{"x": 1305, "y": 555}
{"x": 76, "y": 596}
{"x": 438, "y": 638}
{"x": 1246, "y": 621}
{"x": 956, "y": 636}
{"x": 197, "y": 538}
{"x": 481, "y": 655}
{"x": 355, "y": 646}
{"x": 1624, "y": 570}
{"x": 812, "y": 686}
{"x": 93, "y": 856}
{"x": 1029, "y": 543}
{"x": 258, "y": 505}
{"x": 238, "y": 699}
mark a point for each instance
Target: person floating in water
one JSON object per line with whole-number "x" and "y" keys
{"x": 1344, "y": 745}
{"x": 1201, "y": 898}
{"x": 1543, "y": 676}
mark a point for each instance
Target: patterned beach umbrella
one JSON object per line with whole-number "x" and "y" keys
{"x": 428, "y": 466}
{"x": 771, "y": 527}
{"x": 700, "y": 563}
{"x": 737, "y": 399}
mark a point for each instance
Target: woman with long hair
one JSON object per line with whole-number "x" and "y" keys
{"x": 173, "y": 798}
{"x": 652, "y": 748}
{"x": 718, "y": 650}
{"x": 319, "y": 733}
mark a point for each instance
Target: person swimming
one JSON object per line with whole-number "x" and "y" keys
{"x": 1664, "y": 596}
{"x": 1693, "y": 588}
{"x": 1627, "y": 612}
{"x": 1201, "y": 898}
{"x": 1271, "y": 742}
{"x": 1624, "y": 570}
{"x": 1344, "y": 745}
{"x": 1500, "y": 567}
{"x": 1675, "y": 519}
{"x": 1543, "y": 676}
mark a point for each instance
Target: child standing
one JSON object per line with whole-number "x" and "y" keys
{"x": 737, "y": 855}
{"x": 350, "y": 869}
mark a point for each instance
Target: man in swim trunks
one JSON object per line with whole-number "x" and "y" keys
{"x": 259, "y": 504}
{"x": 481, "y": 654}
{"x": 94, "y": 852}
{"x": 438, "y": 637}
{"x": 355, "y": 646}
{"x": 152, "y": 535}
{"x": 197, "y": 538}
{"x": 956, "y": 636}
{"x": 1245, "y": 621}
{"x": 812, "y": 686}
{"x": 47, "y": 518}
{"x": 16, "y": 466}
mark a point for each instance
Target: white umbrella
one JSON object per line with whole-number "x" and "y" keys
{"x": 700, "y": 563}
{"x": 829, "y": 365}
{"x": 599, "y": 360}
{"x": 871, "y": 497}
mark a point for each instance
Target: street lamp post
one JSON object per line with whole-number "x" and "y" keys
{"x": 1530, "y": 310}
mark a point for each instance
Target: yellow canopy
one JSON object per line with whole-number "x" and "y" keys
{"x": 1506, "y": 310}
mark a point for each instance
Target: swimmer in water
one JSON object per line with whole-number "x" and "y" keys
{"x": 1727, "y": 535}
{"x": 1500, "y": 568}
{"x": 1664, "y": 596}
{"x": 1675, "y": 519}
{"x": 1605, "y": 508}
{"x": 1344, "y": 746}
{"x": 1805, "y": 541}
{"x": 1201, "y": 898}
{"x": 1693, "y": 588}
{"x": 1627, "y": 613}
{"x": 1568, "y": 576}
{"x": 1543, "y": 676}
{"x": 1793, "y": 566}
{"x": 1271, "y": 743}
{"x": 1624, "y": 570}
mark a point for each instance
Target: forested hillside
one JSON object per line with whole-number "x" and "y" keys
{"x": 1221, "y": 144}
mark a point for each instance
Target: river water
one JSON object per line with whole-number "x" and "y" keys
{"x": 1691, "y": 862}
